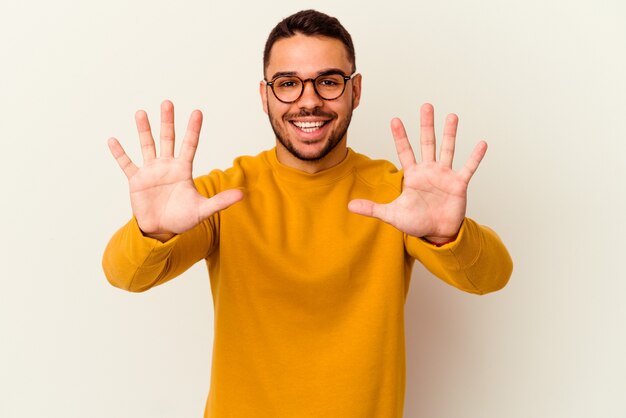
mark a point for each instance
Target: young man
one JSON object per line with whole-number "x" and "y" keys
{"x": 309, "y": 275}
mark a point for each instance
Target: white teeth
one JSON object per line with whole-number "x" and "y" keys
{"x": 309, "y": 126}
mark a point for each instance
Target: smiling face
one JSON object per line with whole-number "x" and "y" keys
{"x": 310, "y": 132}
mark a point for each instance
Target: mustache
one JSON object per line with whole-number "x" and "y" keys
{"x": 308, "y": 112}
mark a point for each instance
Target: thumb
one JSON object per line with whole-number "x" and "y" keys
{"x": 219, "y": 202}
{"x": 368, "y": 208}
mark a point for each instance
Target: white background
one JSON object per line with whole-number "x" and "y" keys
{"x": 541, "y": 81}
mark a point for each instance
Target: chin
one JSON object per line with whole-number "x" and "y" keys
{"x": 336, "y": 133}
{"x": 309, "y": 155}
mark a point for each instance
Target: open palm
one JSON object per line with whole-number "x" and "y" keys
{"x": 434, "y": 197}
{"x": 162, "y": 193}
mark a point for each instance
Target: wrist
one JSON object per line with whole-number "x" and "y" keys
{"x": 440, "y": 241}
{"x": 160, "y": 237}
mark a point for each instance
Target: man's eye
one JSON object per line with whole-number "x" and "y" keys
{"x": 288, "y": 84}
{"x": 327, "y": 83}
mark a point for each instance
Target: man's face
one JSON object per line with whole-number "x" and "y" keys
{"x": 310, "y": 129}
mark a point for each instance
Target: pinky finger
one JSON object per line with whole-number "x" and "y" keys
{"x": 125, "y": 163}
{"x": 473, "y": 161}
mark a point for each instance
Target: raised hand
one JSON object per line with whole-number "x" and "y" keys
{"x": 434, "y": 197}
{"x": 163, "y": 196}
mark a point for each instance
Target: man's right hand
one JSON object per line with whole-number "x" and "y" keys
{"x": 163, "y": 197}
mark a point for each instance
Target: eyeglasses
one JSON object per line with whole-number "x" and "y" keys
{"x": 289, "y": 89}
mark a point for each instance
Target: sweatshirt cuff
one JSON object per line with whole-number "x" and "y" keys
{"x": 461, "y": 252}
{"x": 140, "y": 247}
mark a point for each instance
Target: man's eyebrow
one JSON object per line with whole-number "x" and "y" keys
{"x": 329, "y": 71}
{"x": 283, "y": 74}
{"x": 326, "y": 71}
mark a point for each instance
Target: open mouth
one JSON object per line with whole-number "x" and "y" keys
{"x": 309, "y": 127}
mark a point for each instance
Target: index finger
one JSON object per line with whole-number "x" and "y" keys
{"x": 123, "y": 160}
{"x": 192, "y": 136}
{"x": 473, "y": 161}
{"x": 403, "y": 146}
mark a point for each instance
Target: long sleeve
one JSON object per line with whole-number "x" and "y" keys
{"x": 134, "y": 262}
{"x": 476, "y": 262}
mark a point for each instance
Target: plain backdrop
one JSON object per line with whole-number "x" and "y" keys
{"x": 541, "y": 81}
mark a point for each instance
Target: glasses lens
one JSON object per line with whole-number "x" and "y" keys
{"x": 287, "y": 89}
{"x": 330, "y": 86}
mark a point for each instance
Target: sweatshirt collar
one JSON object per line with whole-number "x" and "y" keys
{"x": 324, "y": 177}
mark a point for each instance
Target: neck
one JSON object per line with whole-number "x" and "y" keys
{"x": 334, "y": 157}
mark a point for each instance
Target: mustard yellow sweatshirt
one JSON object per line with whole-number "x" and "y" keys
{"x": 308, "y": 297}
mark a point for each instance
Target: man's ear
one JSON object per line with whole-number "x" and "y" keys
{"x": 356, "y": 90}
{"x": 263, "y": 93}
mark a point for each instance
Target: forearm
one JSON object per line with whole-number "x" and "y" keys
{"x": 134, "y": 262}
{"x": 476, "y": 261}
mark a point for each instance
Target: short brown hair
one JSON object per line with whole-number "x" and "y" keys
{"x": 309, "y": 23}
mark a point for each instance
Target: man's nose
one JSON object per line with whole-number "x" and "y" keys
{"x": 309, "y": 98}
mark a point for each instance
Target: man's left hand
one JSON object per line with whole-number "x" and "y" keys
{"x": 434, "y": 197}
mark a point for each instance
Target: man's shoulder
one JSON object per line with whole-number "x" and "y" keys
{"x": 377, "y": 172}
{"x": 244, "y": 170}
